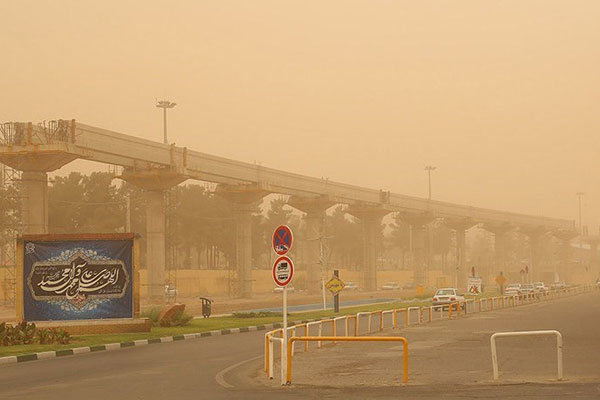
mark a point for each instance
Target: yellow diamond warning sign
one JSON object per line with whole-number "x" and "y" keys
{"x": 335, "y": 285}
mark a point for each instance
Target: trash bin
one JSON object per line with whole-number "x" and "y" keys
{"x": 206, "y": 307}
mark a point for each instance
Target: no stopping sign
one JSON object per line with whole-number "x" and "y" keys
{"x": 283, "y": 271}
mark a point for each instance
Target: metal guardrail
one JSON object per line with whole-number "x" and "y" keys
{"x": 454, "y": 310}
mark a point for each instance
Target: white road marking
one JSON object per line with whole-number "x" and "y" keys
{"x": 219, "y": 377}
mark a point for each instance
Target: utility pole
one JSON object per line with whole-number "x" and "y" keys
{"x": 164, "y": 104}
{"x": 429, "y": 232}
{"x": 580, "y": 195}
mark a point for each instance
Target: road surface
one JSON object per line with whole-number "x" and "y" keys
{"x": 228, "y": 367}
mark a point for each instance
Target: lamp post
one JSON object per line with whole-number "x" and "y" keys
{"x": 580, "y": 196}
{"x": 164, "y": 104}
{"x": 429, "y": 168}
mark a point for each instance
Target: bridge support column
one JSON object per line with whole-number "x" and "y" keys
{"x": 419, "y": 244}
{"x": 536, "y": 236}
{"x": 244, "y": 199}
{"x": 460, "y": 227}
{"x": 500, "y": 245}
{"x": 592, "y": 273}
{"x": 34, "y": 203}
{"x": 370, "y": 218}
{"x": 35, "y": 165}
{"x": 565, "y": 237}
{"x": 154, "y": 182}
{"x": 155, "y": 242}
{"x": 315, "y": 217}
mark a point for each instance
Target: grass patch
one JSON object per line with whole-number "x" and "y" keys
{"x": 199, "y": 326}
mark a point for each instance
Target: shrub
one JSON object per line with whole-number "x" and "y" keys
{"x": 28, "y": 333}
{"x": 152, "y": 314}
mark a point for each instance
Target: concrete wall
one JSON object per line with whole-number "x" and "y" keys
{"x": 193, "y": 282}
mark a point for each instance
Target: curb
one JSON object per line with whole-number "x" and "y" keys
{"x": 45, "y": 355}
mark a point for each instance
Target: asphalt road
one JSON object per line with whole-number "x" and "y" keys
{"x": 227, "y": 367}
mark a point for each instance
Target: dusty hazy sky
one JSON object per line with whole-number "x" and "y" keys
{"x": 502, "y": 96}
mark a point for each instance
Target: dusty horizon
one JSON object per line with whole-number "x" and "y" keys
{"x": 499, "y": 96}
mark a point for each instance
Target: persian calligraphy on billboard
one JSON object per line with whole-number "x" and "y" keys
{"x": 77, "y": 279}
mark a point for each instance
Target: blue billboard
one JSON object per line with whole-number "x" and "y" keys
{"x": 77, "y": 279}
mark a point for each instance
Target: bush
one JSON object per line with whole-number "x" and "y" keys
{"x": 179, "y": 319}
{"x": 28, "y": 333}
{"x": 152, "y": 314}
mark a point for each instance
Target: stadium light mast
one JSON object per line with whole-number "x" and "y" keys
{"x": 429, "y": 168}
{"x": 165, "y": 104}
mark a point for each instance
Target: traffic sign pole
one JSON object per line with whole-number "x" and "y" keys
{"x": 283, "y": 271}
{"x": 285, "y": 339}
{"x": 336, "y": 297}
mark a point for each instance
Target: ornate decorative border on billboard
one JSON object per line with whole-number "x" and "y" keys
{"x": 76, "y": 277}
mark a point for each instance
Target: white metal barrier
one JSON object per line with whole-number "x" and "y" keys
{"x": 408, "y": 310}
{"x": 528, "y": 333}
{"x": 482, "y": 305}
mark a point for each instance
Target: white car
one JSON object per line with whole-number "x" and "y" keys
{"x": 445, "y": 296}
{"x": 558, "y": 285}
{"x": 528, "y": 288}
{"x": 351, "y": 286}
{"x": 391, "y": 286}
{"x": 512, "y": 289}
{"x": 540, "y": 287}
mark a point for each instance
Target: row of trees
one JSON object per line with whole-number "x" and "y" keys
{"x": 201, "y": 222}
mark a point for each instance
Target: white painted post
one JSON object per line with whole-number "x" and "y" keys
{"x": 284, "y": 344}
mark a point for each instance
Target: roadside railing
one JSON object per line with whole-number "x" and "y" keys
{"x": 349, "y": 339}
{"x": 400, "y": 319}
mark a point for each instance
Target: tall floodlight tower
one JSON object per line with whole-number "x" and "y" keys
{"x": 429, "y": 168}
{"x": 165, "y": 104}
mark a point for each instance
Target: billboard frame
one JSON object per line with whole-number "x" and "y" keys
{"x": 20, "y": 279}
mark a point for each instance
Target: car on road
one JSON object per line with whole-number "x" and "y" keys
{"x": 445, "y": 296}
{"x": 558, "y": 285}
{"x": 512, "y": 289}
{"x": 351, "y": 286}
{"x": 541, "y": 287}
{"x": 528, "y": 288}
{"x": 391, "y": 286}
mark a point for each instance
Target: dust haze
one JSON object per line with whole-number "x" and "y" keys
{"x": 501, "y": 96}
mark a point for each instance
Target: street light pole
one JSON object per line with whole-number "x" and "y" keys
{"x": 580, "y": 195}
{"x": 164, "y": 104}
{"x": 429, "y": 168}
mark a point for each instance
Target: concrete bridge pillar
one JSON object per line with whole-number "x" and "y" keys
{"x": 370, "y": 219}
{"x": 34, "y": 202}
{"x": 315, "y": 217}
{"x": 565, "y": 237}
{"x": 155, "y": 242}
{"x": 244, "y": 200}
{"x": 419, "y": 244}
{"x": 460, "y": 227}
{"x": 24, "y": 154}
{"x": 500, "y": 244}
{"x": 155, "y": 182}
{"x": 536, "y": 242}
